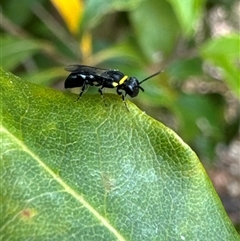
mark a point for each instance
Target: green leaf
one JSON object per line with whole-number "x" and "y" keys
{"x": 83, "y": 170}
{"x": 182, "y": 69}
{"x": 15, "y": 50}
{"x": 188, "y": 13}
{"x": 157, "y": 33}
{"x": 95, "y": 10}
{"x": 125, "y": 51}
{"x": 24, "y": 14}
{"x": 200, "y": 125}
{"x": 224, "y": 53}
{"x": 45, "y": 77}
{"x": 192, "y": 117}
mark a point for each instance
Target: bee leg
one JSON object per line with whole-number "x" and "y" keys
{"x": 79, "y": 96}
{"x": 125, "y": 103}
{"x": 82, "y": 90}
{"x": 123, "y": 98}
{"x": 101, "y": 93}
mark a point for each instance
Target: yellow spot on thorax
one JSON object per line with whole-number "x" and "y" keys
{"x": 122, "y": 80}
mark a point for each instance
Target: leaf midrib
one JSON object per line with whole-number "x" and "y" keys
{"x": 66, "y": 187}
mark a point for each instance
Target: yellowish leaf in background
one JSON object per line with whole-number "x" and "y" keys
{"x": 86, "y": 46}
{"x": 71, "y": 12}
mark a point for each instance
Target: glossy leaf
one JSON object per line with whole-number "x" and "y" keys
{"x": 73, "y": 170}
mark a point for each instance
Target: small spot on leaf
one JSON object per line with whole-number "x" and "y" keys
{"x": 27, "y": 214}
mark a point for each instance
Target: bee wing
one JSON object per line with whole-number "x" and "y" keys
{"x": 88, "y": 70}
{"x": 84, "y": 69}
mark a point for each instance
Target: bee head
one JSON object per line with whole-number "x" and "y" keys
{"x": 132, "y": 86}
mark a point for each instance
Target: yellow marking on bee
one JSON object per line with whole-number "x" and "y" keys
{"x": 123, "y": 79}
{"x": 115, "y": 84}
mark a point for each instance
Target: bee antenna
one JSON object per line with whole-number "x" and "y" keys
{"x": 149, "y": 77}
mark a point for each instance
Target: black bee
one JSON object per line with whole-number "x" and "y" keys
{"x": 85, "y": 76}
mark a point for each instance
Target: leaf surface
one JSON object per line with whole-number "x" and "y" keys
{"x": 73, "y": 170}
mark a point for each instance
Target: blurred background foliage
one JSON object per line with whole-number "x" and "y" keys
{"x": 196, "y": 42}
